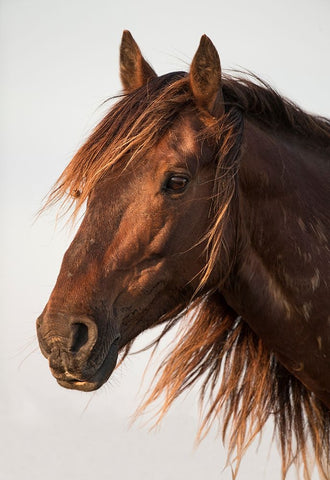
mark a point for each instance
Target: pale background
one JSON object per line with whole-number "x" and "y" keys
{"x": 59, "y": 61}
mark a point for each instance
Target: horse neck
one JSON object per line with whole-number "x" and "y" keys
{"x": 279, "y": 283}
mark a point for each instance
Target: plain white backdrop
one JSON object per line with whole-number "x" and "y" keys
{"x": 59, "y": 62}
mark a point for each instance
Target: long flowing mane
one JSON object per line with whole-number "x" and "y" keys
{"x": 242, "y": 382}
{"x": 138, "y": 121}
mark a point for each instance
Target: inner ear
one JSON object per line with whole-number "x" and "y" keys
{"x": 135, "y": 71}
{"x": 205, "y": 78}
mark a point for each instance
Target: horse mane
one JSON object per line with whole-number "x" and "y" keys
{"x": 242, "y": 381}
{"x": 264, "y": 105}
{"x": 241, "y": 385}
{"x": 140, "y": 119}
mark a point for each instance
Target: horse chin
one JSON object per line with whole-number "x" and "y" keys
{"x": 99, "y": 378}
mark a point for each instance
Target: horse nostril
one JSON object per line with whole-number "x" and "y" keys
{"x": 83, "y": 336}
{"x": 79, "y": 336}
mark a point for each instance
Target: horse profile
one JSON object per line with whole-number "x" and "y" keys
{"x": 207, "y": 203}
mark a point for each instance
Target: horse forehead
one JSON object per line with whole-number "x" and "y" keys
{"x": 182, "y": 138}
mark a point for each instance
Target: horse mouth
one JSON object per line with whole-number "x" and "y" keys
{"x": 96, "y": 379}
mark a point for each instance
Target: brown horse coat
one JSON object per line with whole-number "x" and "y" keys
{"x": 207, "y": 194}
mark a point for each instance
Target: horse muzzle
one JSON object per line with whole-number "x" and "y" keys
{"x": 69, "y": 343}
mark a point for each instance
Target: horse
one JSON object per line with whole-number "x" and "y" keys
{"x": 206, "y": 201}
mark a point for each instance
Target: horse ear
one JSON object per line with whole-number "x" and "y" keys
{"x": 134, "y": 70}
{"x": 205, "y": 78}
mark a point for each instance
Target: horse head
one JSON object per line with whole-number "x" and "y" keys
{"x": 141, "y": 250}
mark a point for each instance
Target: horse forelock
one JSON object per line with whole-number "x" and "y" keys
{"x": 132, "y": 127}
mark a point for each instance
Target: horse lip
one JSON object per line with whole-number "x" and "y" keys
{"x": 68, "y": 380}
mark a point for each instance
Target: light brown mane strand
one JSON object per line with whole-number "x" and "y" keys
{"x": 242, "y": 385}
{"x": 140, "y": 119}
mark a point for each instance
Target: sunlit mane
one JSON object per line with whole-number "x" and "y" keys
{"x": 242, "y": 381}
{"x": 138, "y": 121}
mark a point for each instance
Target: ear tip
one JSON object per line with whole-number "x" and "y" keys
{"x": 205, "y": 40}
{"x": 126, "y": 33}
{"x": 207, "y": 47}
{"x": 135, "y": 71}
{"x": 127, "y": 38}
{"x": 128, "y": 44}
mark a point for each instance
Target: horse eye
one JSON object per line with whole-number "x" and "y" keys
{"x": 176, "y": 184}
